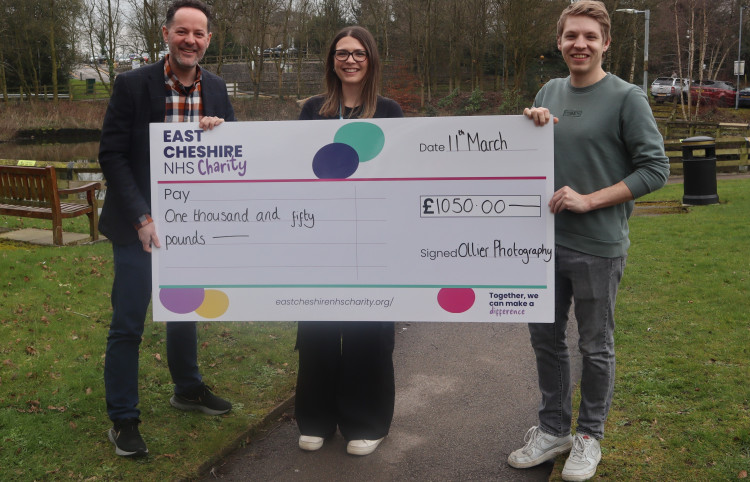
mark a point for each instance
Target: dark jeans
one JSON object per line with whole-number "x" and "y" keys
{"x": 591, "y": 282}
{"x": 131, "y": 295}
{"x": 345, "y": 378}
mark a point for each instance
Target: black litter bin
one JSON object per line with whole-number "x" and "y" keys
{"x": 90, "y": 86}
{"x": 699, "y": 171}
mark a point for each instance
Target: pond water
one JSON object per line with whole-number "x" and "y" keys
{"x": 52, "y": 145}
{"x": 50, "y": 152}
{"x": 78, "y": 151}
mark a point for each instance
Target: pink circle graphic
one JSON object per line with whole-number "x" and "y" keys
{"x": 456, "y": 300}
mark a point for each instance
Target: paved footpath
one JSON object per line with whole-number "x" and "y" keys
{"x": 465, "y": 395}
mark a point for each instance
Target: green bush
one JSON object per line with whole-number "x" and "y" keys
{"x": 513, "y": 102}
{"x": 448, "y": 99}
{"x": 475, "y": 101}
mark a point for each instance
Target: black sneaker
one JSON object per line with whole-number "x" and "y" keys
{"x": 127, "y": 439}
{"x": 202, "y": 400}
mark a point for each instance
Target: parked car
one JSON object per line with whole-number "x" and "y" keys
{"x": 744, "y": 100}
{"x": 668, "y": 89}
{"x": 718, "y": 92}
{"x": 276, "y": 52}
{"x": 273, "y": 52}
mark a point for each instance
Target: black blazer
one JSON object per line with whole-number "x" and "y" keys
{"x": 139, "y": 98}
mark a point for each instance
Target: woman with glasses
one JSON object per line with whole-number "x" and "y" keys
{"x": 345, "y": 376}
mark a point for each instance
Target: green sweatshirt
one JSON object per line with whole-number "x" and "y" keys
{"x": 606, "y": 134}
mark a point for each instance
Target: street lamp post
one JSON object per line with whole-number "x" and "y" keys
{"x": 647, "y": 14}
{"x": 739, "y": 67}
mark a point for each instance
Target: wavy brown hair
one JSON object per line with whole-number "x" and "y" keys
{"x": 586, "y": 8}
{"x": 370, "y": 87}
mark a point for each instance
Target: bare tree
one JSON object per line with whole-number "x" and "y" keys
{"x": 251, "y": 25}
{"x": 280, "y": 33}
{"x": 102, "y": 24}
{"x": 144, "y": 23}
{"x": 302, "y": 24}
{"x": 529, "y": 29}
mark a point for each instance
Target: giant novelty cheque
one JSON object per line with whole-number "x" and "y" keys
{"x": 411, "y": 219}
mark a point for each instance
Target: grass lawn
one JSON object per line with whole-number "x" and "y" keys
{"x": 681, "y": 409}
{"x": 54, "y": 316}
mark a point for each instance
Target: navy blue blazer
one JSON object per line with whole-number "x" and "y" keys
{"x": 139, "y": 98}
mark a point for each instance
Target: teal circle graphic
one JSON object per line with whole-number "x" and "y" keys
{"x": 365, "y": 138}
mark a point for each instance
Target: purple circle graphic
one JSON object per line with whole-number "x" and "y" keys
{"x": 335, "y": 161}
{"x": 181, "y": 300}
{"x": 456, "y": 300}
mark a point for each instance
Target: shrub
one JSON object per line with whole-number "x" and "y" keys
{"x": 476, "y": 99}
{"x": 513, "y": 102}
{"x": 448, "y": 99}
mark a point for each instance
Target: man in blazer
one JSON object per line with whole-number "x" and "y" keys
{"x": 175, "y": 89}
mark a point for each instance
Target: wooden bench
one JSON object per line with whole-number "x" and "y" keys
{"x": 32, "y": 192}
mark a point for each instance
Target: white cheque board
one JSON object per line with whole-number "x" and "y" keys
{"x": 412, "y": 219}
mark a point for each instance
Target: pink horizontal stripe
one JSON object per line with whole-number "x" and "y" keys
{"x": 521, "y": 178}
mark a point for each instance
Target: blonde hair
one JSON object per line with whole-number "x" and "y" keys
{"x": 587, "y": 8}
{"x": 333, "y": 97}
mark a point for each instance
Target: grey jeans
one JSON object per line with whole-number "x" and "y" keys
{"x": 591, "y": 283}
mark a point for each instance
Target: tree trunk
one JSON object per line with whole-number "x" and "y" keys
{"x": 53, "y": 51}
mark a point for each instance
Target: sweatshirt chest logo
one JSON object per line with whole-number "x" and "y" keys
{"x": 572, "y": 113}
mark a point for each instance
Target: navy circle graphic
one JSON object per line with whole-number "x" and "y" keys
{"x": 335, "y": 161}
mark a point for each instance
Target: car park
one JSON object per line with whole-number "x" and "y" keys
{"x": 714, "y": 92}
{"x": 668, "y": 89}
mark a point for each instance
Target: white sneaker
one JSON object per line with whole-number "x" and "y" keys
{"x": 310, "y": 443}
{"x": 584, "y": 457}
{"x": 362, "y": 447}
{"x": 540, "y": 447}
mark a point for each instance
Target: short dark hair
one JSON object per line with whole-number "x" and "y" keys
{"x": 197, "y": 4}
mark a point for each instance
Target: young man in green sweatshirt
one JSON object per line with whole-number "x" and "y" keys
{"x": 608, "y": 151}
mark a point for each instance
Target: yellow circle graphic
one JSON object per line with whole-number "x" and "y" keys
{"x": 215, "y": 304}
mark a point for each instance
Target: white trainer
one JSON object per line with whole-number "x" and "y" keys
{"x": 362, "y": 447}
{"x": 540, "y": 447}
{"x": 583, "y": 460}
{"x": 310, "y": 443}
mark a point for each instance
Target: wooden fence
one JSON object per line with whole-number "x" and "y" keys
{"x": 731, "y": 154}
{"x": 732, "y": 139}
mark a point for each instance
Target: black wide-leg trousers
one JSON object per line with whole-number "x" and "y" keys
{"x": 345, "y": 378}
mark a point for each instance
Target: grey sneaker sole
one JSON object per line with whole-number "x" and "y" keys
{"x": 187, "y": 406}
{"x": 311, "y": 444}
{"x": 119, "y": 451}
{"x": 578, "y": 477}
{"x": 549, "y": 455}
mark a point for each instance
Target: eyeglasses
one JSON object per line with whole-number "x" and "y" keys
{"x": 357, "y": 55}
